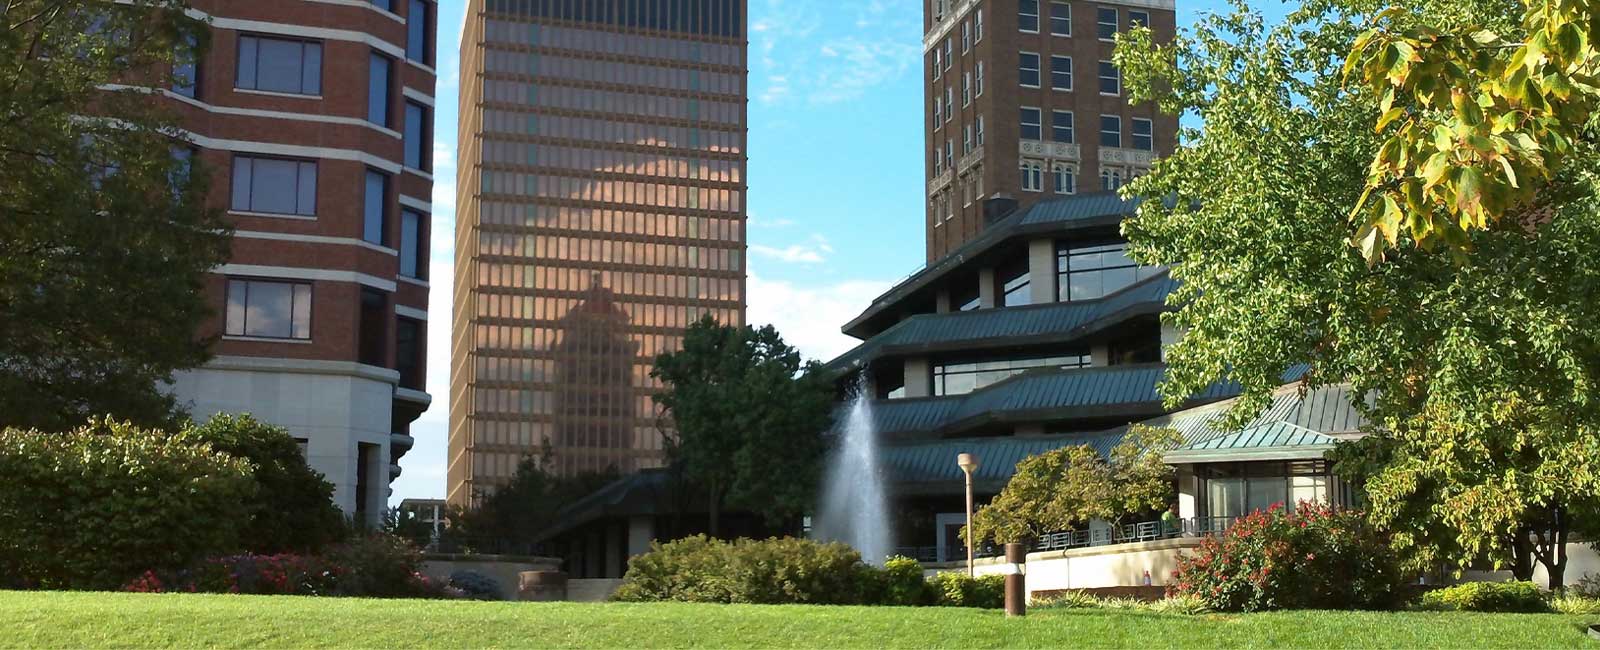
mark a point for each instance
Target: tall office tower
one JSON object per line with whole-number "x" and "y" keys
{"x": 1022, "y": 100}
{"x": 316, "y": 119}
{"x": 600, "y": 203}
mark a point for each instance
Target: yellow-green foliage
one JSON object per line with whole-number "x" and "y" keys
{"x": 1487, "y": 597}
{"x": 961, "y": 590}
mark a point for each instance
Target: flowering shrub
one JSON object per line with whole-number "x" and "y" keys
{"x": 373, "y": 566}
{"x": 1315, "y": 557}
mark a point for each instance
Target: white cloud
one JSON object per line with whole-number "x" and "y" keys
{"x": 810, "y": 49}
{"x": 809, "y": 317}
{"x": 814, "y": 251}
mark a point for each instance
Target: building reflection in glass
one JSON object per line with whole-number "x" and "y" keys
{"x": 602, "y": 176}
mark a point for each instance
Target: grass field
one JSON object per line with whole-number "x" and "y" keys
{"x": 55, "y": 620}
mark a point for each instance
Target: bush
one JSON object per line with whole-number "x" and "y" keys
{"x": 476, "y": 586}
{"x": 94, "y": 507}
{"x": 961, "y": 590}
{"x": 772, "y": 571}
{"x": 382, "y": 566}
{"x": 293, "y": 511}
{"x": 1587, "y": 585}
{"x": 1575, "y": 604}
{"x": 902, "y": 583}
{"x": 1518, "y": 596}
{"x": 1316, "y": 557}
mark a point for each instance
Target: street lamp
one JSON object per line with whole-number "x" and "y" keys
{"x": 969, "y": 464}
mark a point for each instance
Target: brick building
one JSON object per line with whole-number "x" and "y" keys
{"x": 1021, "y": 100}
{"x": 600, "y": 212}
{"x": 315, "y": 117}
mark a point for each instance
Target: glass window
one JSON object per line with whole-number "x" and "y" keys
{"x": 1066, "y": 178}
{"x": 1142, "y": 132}
{"x": 1032, "y": 176}
{"x": 977, "y": 20}
{"x": 966, "y": 36}
{"x": 419, "y": 30}
{"x": 277, "y": 310}
{"x": 1088, "y": 272}
{"x": 379, "y": 73}
{"x": 1138, "y": 18}
{"x": 949, "y": 53}
{"x": 966, "y": 298}
{"x": 408, "y": 351}
{"x": 1061, "y": 127}
{"x": 386, "y": 5}
{"x": 1111, "y": 178}
{"x": 938, "y": 113}
{"x": 949, "y": 103}
{"x": 1031, "y": 127}
{"x": 963, "y": 378}
{"x": 938, "y": 62}
{"x": 1105, "y": 23}
{"x": 1028, "y": 70}
{"x": 1060, "y": 19}
{"x": 279, "y": 65}
{"x": 1225, "y": 497}
{"x": 417, "y": 136}
{"x": 375, "y": 213}
{"x": 1110, "y": 131}
{"x": 1110, "y": 79}
{"x": 980, "y": 130}
{"x": 411, "y": 244}
{"x": 274, "y": 186}
{"x": 373, "y": 325}
{"x": 1061, "y": 72}
{"x": 1015, "y": 285}
{"x": 978, "y": 92}
{"x": 966, "y": 89}
{"x": 1028, "y": 15}
{"x": 186, "y": 73}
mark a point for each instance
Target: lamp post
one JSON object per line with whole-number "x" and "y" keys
{"x": 969, "y": 464}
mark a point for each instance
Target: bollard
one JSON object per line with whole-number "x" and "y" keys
{"x": 1016, "y": 580}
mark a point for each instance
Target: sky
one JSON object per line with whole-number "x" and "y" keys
{"x": 835, "y": 174}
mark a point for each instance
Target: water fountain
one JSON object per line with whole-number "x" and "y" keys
{"x": 854, "y": 507}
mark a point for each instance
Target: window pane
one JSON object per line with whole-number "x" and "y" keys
{"x": 279, "y": 66}
{"x": 415, "y": 136}
{"x": 417, "y": 31}
{"x": 270, "y": 310}
{"x": 273, "y": 186}
{"x": 1264, "y": 492}
{"x": 311, "y": 79}
{"x": 307, "y": 198}
{"x": 378, "y": 91}
{"x": 372, "y": 222}
{"x": 246, "y": 77}
{"x": 302, "y": 311}
{"x": 241, "y": 183}
{"x": 410, "y": 234}
{"x": 234, "y": 325}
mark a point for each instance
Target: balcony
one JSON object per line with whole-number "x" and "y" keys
{"x": 1055, "y": 150}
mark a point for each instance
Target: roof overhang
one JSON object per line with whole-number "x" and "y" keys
{"x": 1198, "y": 456}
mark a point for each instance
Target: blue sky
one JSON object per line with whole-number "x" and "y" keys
{"x": 836, "y": 187}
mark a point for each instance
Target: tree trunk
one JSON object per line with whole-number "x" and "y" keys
{"x": 1521, "y": 554}
{"x": 1554, "y": 557}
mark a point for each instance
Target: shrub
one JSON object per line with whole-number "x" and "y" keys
{"x": 375, "y": 566}
{"x": 94, "y": 507}
{"x": 1587, "y": 585}
{"x": 380, "y": 565}
{"x": 1183, "y": 605}
{"x": 1070, "y": 600}
{"x": 961, "y": 590}
{"x": 1316, "y": 557}
{"x": 902, "y": 583}
{"x": 476, "y": 586}
{"x": 1575, "y": 604}
{"x": 1520, "y": 596}
{"x": 772, "y": 571}
{"x": 293, "y": 511}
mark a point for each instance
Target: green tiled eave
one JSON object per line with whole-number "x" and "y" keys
{"x": 1267, "y": 441}
{"x": 968, "y": 331}
{"x": 1054, "y": 215}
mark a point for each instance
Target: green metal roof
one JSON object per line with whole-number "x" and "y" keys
{"x": 972, "y": 330}
{"x": 1106, "y": 391}
{"x": 1328, "y": 410}
{"x": 934, "y": 461}
{"x": 1081, "y": 210}
{"x": 1279, "y": 440}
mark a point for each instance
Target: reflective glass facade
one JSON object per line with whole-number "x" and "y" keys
{"x": 602, "y": 211}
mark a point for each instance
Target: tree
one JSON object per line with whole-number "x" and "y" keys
{"x": 514, "y": 514}
{"x": 1065, "y": 488}
{"x": 749, "y": 419}
{"x": 293, "y": 510}
{"x": 1480, "y": 369}
{"x": 105, "y": 235}
{"x": 1482, "y": 118}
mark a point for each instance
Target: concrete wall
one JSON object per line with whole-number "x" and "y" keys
{"x": 1581, "y": 559}
{"x": 503, "y": 568}
{"x": 1113, "y": 565}
{"x": 334, "y": 406}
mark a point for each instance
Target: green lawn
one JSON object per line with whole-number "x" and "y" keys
{"x": 35, "y": 620}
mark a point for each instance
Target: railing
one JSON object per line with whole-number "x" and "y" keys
{"x": 1144, "y": 531}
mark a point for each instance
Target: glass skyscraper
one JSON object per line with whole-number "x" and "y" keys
{"x": 601, "y": 210}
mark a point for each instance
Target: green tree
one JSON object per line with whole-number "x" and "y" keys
{"x": 293, "y": 510}
{"x": 105, "y": 235}
{"x": 514, "y": 514}
{"x": 748, "y": 419}
{"x": 1066, "y": 488}
{"x": 1480, "y": 369}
